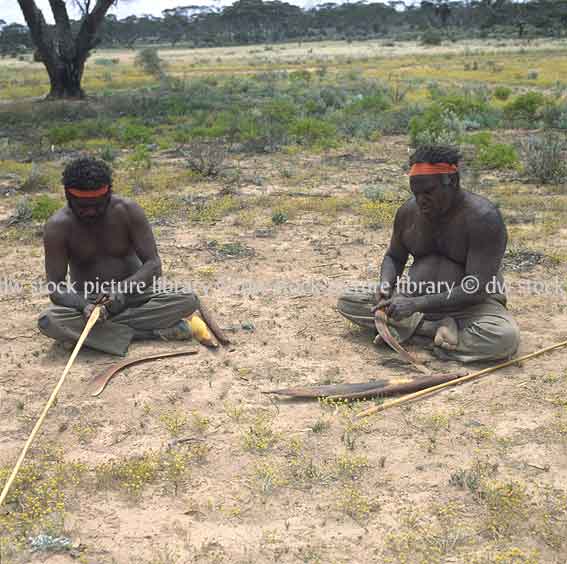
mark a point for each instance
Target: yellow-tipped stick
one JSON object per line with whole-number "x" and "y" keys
{"x": 472, "y": 376}
{"x": 90, "y": 324}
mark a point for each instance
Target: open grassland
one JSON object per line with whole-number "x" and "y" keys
{"x": 270, "y": 192}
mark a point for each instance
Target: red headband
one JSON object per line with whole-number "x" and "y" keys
{"x": 423, "y": 169}
{"x": 78, "y": 193}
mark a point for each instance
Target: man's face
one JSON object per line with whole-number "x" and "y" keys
{"x": 432, "y": 196}
{"x": 89, "y": 210}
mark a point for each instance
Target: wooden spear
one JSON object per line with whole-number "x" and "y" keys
{"x": 90, "y": 324}
{"x": 457, "y": 381}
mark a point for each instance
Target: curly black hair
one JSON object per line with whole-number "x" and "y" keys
{"x": 87, "y": 173}
{"x": 435, "y": 154}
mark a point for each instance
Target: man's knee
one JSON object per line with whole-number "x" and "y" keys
{"x": 189, "y": 302}
{"x": 46, "y": 323}
{"x": 510, "y": 337}
{"x": 498, "y": 338}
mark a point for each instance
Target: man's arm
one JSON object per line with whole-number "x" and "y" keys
{"x": 487, "y": 244}
{"x": 56, "y": 264}
{"x": 394, "y": 260}
{"x": 145, "y": 247}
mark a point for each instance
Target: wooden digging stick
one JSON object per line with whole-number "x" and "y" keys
{"x": 473, "y": 375}
{"x": 90, "y": 324}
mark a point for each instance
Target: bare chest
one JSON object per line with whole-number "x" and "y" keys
{"x": 449, "y": 240}
{"x": 90, "y": 244}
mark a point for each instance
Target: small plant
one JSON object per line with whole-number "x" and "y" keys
{"x": 108, "y": 154}
{"x": 507, "y": 504}
{"x": 356, "y": 504}
{"x": 374, "y": 193}
{"x": 351, "y": 466}
{"x": 260, "y": 436}
{"x": 377, "y": 214}
{"x": 200, "y": 423}
{"x": 35, "y": 182}
{"x": 533, "y": 74}
{"x": 502, "y": 93}
{"x": 23, "y": 212}
{"x": 206, "y": 158}
{"x": 544, "y": 158}
{"x": 43, "y": 207}
{"x": 268, "y": 477}
{"x": 279, "y": 217}
{"x": 141, "y": 157}
{"x": 174, "y": 422}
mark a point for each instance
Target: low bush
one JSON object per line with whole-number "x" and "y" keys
{"x": 525, "y": 107}
{"x": 313, "y": 131}
{"x": 544, "y": 158}
{"x": 148, "y": 59}
{"x": 43, "y": 207}
{"x": 498, "y": 156}
{"x": 436, "y": 126}
{"x": 502, "y": 93}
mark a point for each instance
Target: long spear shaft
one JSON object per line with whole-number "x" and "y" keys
{"x": 457, "y": 381}
{"x": 90, "y": 324}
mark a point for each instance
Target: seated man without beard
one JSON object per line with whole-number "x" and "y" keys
{"x": 455, "y": 294}
{"x": 105, "y": 241}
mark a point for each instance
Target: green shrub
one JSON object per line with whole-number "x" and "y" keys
{"x": 543, "y": 158}
{"x": 312, "y": 131}
{"x": 498, "y": 156}
{"x": 436, "y": 126}
{"x": 141, "y": 157}
{"x": 43, "y": 207}
{"x": 480, "y": 139}
{"x": 148, "y": 59}
{"x": 108, "y": 154}
{"x": 374, "y": 193}
{"x": 85, "y": 129}
{"x": 431, "y": 37}
{"x": 502, "y": 93}
{"x": 134, "y": 133}
{"x": 279, "y": 217}
{"x": 525, "y": 106}
{"x": 62, "y": 134}
{"x": 372, "y": 103}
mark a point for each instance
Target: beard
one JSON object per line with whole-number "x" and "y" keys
{"x": 99, "y": 206}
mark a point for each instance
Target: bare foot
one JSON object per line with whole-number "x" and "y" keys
{"x": 447, "y": 335}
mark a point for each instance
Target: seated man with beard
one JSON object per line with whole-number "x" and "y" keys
{"x": 455, "y": 292}
{"x": 105, "y": 241}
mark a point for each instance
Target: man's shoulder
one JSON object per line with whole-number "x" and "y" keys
{"x": 481, "y": 209}
{"x": 59, "y": 222}
{"x": 122, "y": 205}
{"x": 407, "y": 210}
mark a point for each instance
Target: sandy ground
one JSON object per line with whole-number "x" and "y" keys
{"x": 227, "y": 510}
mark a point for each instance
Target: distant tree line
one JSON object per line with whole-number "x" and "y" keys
{"x": 257, "y": 21}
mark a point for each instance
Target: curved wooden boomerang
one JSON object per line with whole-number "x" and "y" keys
{"x": 100, "y": 381}
{"x": 378, "y": 388}
{"x": 380, "y": 321}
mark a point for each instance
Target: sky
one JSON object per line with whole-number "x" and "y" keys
{"x": 10, "y": 10}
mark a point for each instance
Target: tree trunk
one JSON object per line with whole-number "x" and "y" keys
{"x": 63, "y": 53}
{"x": 65, "y": 78}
